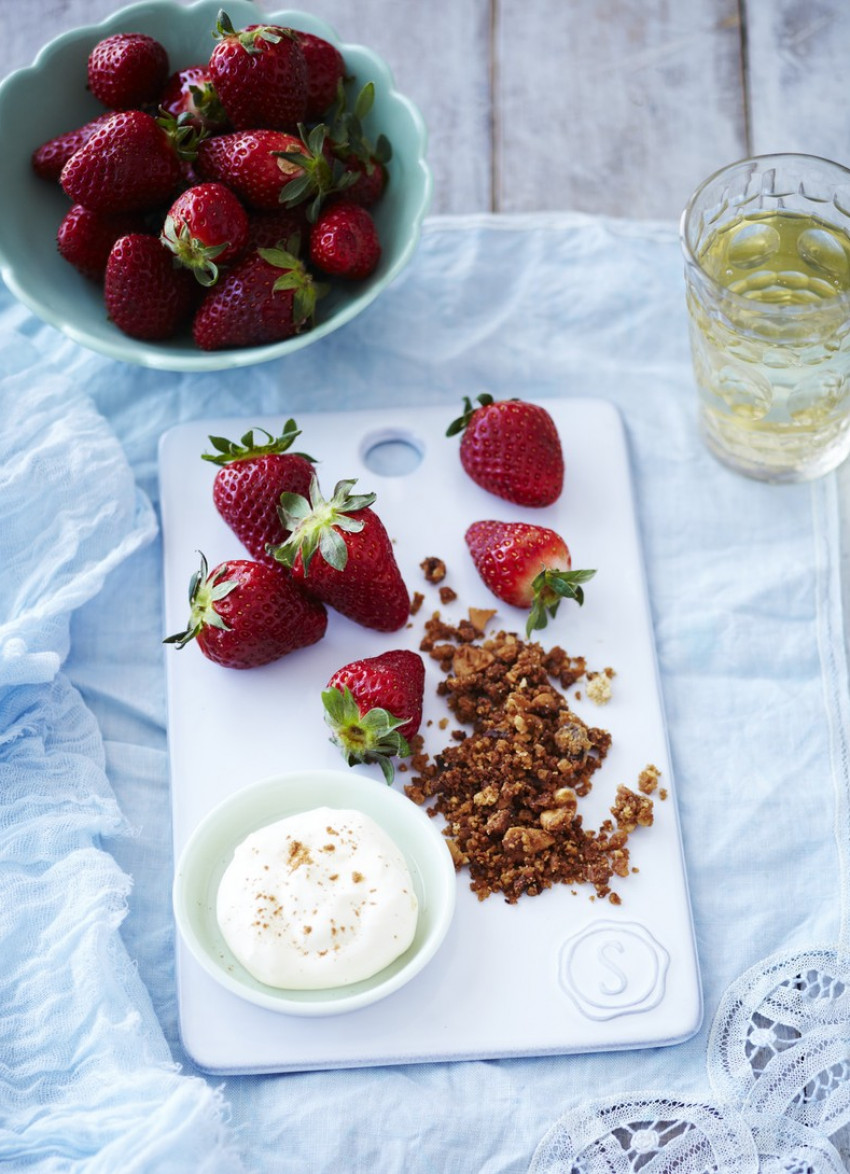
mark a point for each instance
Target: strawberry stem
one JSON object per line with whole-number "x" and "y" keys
{"x": 549, "y": 588}
{"x": 315, "y": 525}
{"x": 484, "y": 400}
{"x": 371, "y": 737}
{"x": 204, "y": 592}
{"x": 192, "y": 253}
{"x": 249, "y": 447}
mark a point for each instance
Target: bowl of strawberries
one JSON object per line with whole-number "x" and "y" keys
{"x": 195, "y": 188}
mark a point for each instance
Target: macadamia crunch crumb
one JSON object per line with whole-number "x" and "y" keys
{"x": 510, "y": 783}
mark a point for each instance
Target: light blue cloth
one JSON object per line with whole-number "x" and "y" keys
{"x": 745, "y": 590}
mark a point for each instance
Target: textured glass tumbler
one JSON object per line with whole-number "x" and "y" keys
{"x": 767, "y": 272}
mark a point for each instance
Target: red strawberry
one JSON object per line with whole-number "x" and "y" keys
{"x": 268, "y": 230}
{"x": 85, "y": 238}
{"x": 49, "y": 159}
{"x": 244, "y": 614}
{"x": 250, "y": 479}
{"x": 190, "y": 94}
{"x": 340, "y": 551}
{"x": 253, "y": 163}
{"x": 260, "y": 75}
{"x": 374, "y": 707}
{"x": 364, "y": 162}
{"x": 370, "y": 179}
{"x": 266, "y": 297}
{"x": 129, "y": 163}
{"x": 321, "y": 174}
{"x": 127, "y": 70}
{"x": 512, "y": 449}
{"x": 205, "y": 227}
{"x": 526, "y": 566}
{"x": 325, "y": 72}
{"x": 147, "y": 294}
{"x": 344, "y": 241}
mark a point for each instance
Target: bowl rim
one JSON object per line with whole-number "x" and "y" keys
{"x": 194, "y": 360}
{"x": 208, "y": 849}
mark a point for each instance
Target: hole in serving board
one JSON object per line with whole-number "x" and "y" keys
{"x": 392, "y": 452}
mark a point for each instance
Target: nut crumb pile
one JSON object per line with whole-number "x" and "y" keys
{"x": 509, "y": 786}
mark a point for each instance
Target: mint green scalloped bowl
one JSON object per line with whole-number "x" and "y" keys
{"x": 50, "y": 96}
{"x": 210, "y": 847}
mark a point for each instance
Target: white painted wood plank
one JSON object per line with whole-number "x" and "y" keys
{"x": 798, "y": 53}
{"x": 620, "y": 108}
{"x": 438, "y": 53}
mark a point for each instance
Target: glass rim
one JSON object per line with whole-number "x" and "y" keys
{"x": 836, "y": 302}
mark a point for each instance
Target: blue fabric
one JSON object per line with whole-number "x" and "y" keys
{"x": 746, "y": 596}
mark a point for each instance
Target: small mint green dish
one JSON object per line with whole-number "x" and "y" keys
{"x": 209, "y": 850}
{"x": 50, "y": 97}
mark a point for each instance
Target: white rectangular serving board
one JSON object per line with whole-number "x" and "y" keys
{"x": 563, "y": 972}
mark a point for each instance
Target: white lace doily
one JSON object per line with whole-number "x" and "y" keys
{"x": 779, "y": 1066}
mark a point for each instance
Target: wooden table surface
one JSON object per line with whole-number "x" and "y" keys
{"x": 612, "y": 106}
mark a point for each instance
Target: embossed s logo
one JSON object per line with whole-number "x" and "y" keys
{"x": 613, "y": 968}
{"x": 621, "y": 980}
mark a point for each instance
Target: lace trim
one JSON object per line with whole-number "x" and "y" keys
{"x": 779, "y": 1066}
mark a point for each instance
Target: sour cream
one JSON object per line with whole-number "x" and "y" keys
{"x": 317, "y": 900}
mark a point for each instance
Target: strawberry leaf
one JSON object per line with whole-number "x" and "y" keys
{"x": 370, "y": 737}
{"x": 549, "y": 588}
{"x": 314, "y": 525}
{"x": 250, "y": 446}
{"x": 332, "y": 549}
{"x": 484, "y": 400}
{"x": 364, "y": 101}
{"x": 205, "y": 591}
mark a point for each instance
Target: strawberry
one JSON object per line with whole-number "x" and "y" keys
{"x": 49, "y": 159}
{"x": 321, "y": 175}
{"x": 250, "y": 479}
{"x": 344, "y": 241}
{"x": 244, "y": 614}
{"x": 364, "y": 162}
{"x": 147, "y": 294}
{"x": 341, "y": 552}
{"x": 127, "y": 70}
{"x": 265, "y": 297}
{"x": 253, "y": 163}
{"x": 325, "y": 72}
{"x": 374, "y": 707}
{"x": 130, "y": 163}
{"x": 190, "y": 94}
{"x": 512, "y": 449}
{"x": 369, "y": 179}
{"x": 85, "y": 238}
{"x": 526, "y": 566}
{"x": 268, "y": 230}
{"x": 260, "y": 75}
{"x": 205, "y": 227}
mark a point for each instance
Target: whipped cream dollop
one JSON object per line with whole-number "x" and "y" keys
{"x": 317, "y": 900}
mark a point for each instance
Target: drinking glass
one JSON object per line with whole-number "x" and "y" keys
{"x": 767, "y": 272}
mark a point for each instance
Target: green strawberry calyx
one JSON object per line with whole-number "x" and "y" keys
{"x": 191, "y": 252}
{"x": 205, "y": 591}
{"x": 320, "y": 176}
{"x": 296, "y": 277}
{"x": 249, "y": 38}
{"x": 469, "y": 409}
{"x": 346, "y": 128}
{"x": 183, "y": 134}
{"x": 370, "y": 737}
{"x": 548, "y": 589}
{"x": 206, "y": 105}
{"x": 318, "y": 525}
{"x": 249, "y": 447}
